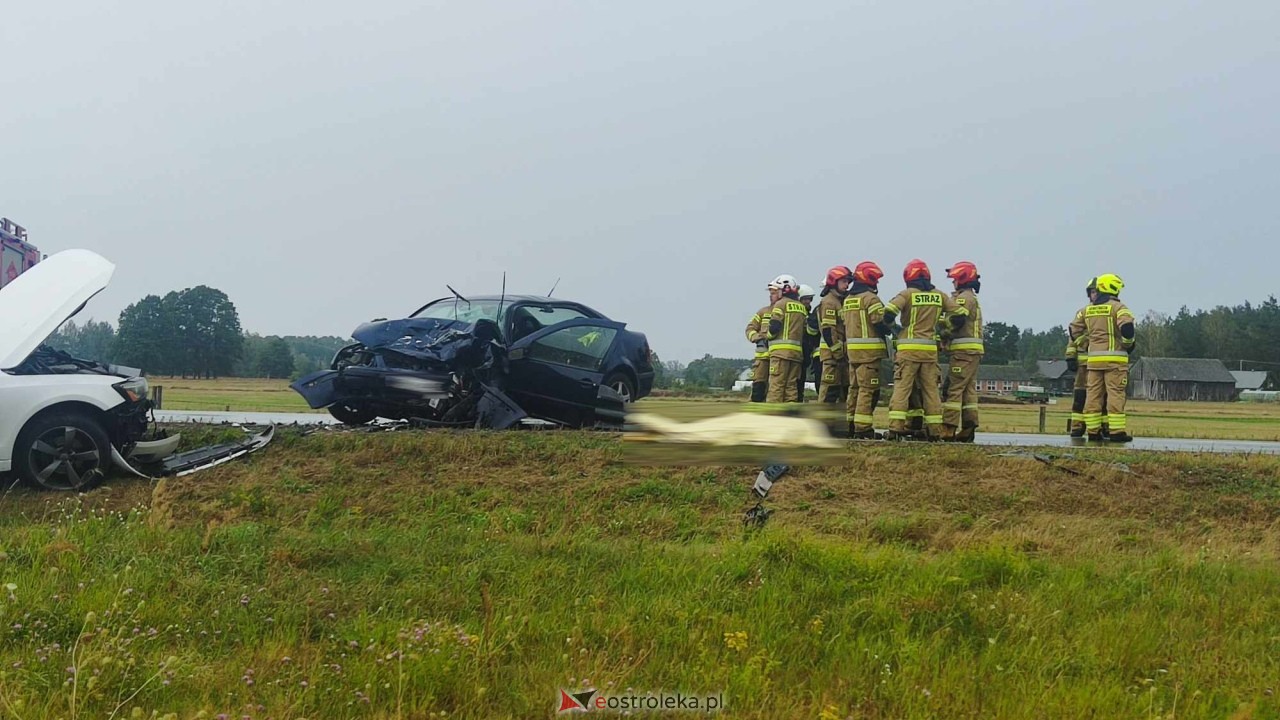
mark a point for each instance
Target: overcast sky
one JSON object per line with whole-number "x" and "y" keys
{"x": 325, "y": 163}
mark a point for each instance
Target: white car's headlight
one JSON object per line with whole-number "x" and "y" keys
{"x": 134, "y": 389}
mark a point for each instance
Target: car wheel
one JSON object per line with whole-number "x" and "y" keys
{"x": 622, "y": 385}
{"x": 66, "y": 451}
{"x": 351, "y": 414}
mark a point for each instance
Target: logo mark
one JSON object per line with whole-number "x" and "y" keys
{"x": 575, "y": 702}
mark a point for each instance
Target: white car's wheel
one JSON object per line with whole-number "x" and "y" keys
{"x": 66, "y": 451}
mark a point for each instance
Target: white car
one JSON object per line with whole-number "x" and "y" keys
{"x": 63, "y": 422}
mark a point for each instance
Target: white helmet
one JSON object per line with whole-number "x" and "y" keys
{"x": 805, "y": 291}
{"x": 784, "y": 283}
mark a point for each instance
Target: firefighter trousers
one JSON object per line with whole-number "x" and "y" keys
{"x": 835, "y": 378}
{"x": 760, "y": 379}
{"x": 783, "y": 375}
{"x": 1106, "y": 396}
{"x": 960, "y": 406}
{"x": 911, "y": 374}
{"x": 1079, "y": 394}
{"x": 864, "y": 393}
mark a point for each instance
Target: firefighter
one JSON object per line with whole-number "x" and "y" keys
{"x": 915, "y": 364}
{"x": 1078, "y": 351}
{"x": 960, "y": 404}
{"x": 758, "y": 333}
{"x": 861, "y": 317}
{"x": 835, "y": 369}
{"x": 1111, "y": 334}
{"x": 809, "y": 346}
{"x": 787, "y": 320}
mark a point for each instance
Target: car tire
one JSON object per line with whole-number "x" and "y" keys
{"x": 348, "y": 414}
{"x": 67, "y": 451}
{"x": 623, "y": 386}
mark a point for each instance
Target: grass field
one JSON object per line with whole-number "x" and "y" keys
{"x": 473, "y": 575}
{"x": 1235, "y": 421}
{"x": 243, "y": 394}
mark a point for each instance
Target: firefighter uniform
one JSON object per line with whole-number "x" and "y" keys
{"x": 787, "y": 320}
{"x": 835, "y": 368}
{"x": 916, "y": 361}
{"x": 960, "y": 406}
{"x": 813, "y": 361}
{"x": 1081, "y": 361}
{"x": 758, "y": 333}
{"x": 864, "y": 347}
{"x": 1109, "y": 328}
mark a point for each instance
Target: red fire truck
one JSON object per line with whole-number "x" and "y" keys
{"x": 16, "y": 254}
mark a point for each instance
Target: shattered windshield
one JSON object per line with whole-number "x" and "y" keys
{"x": 468, "y": 312}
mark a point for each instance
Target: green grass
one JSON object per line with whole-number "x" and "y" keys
{"x": 416, "y": 573}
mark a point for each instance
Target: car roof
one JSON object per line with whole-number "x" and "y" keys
{"x": 519, "y": 299}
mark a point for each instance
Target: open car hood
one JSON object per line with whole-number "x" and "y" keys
{"x": 42, "y": 298}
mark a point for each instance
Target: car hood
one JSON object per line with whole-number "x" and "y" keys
{"x": 447, "y": 342}
{"x": 42, "y": 298}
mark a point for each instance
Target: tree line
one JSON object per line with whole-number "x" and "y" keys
{"x": 193, "y": 333}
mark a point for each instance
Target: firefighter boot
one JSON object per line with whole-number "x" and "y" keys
{"x": 948, "y": 433}
{"x": 1120, "y": 436}
{"x": 966, "y": 434}
{"x": 759, "y": 391}
{"x": 1077, "y": 431}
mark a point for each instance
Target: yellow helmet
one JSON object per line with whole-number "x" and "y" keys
{"x": 1110, "y": 284}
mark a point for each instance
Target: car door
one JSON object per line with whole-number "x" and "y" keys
{"x": 557, "y": 372}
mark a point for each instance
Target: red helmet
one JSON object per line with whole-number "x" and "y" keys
{"x": 868, "y": 273}
{"x": 836, "y": 274}
{"x": 963, "y": 272}
{"x": 915, "y": 270}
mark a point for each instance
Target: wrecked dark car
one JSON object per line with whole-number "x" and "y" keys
{"x": 487, "y": 362}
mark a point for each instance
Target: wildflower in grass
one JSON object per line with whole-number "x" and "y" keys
{"x": 736, "y": 640}
{"x": 830, "y": 712}
{"x": 816, "y": 625}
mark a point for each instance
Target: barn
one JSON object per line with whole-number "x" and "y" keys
{"x": 1196, "y": 379}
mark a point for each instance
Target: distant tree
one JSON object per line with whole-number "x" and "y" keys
{"x": 1035, "y": 346}
{"x": 90, "y": 341}
{"x": 190, "y": 332}
{"x": 1155, "y": 336}
{"x": 313, "y": 352}
{"x": 275, "y": 359}
{"x": 146, "y": 336}
{"x": 209, "y": 340}
{"x": 659, "y": 371}
{"x": 66, "y": 338}
{"x": 1001, "y": 343}
{"x": 251, "y": 350}
{"x": 97, "y": 340}
{"x": 711, "y": 371}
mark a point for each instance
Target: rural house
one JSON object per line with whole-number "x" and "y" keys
{"x": 1198, "y": 379}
